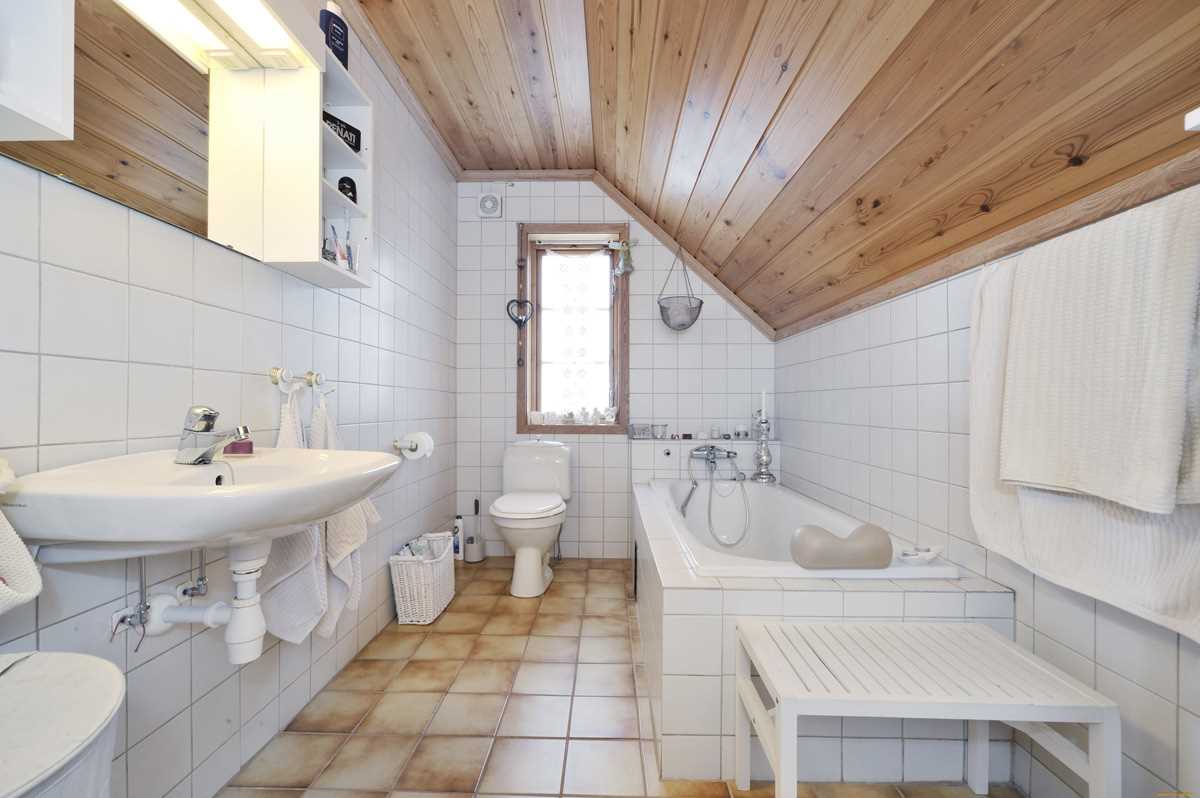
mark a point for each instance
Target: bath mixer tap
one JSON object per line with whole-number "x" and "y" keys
{"x": 199, "y": 441}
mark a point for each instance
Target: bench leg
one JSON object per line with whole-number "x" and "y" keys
{"x": 785, "y": 775}
{"x": 977, "y": 756}
{"x": 1104, "y": 758}
{"x": 741, "y": 740}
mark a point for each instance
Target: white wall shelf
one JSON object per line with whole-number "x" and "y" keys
{"x": 336, "y": 154}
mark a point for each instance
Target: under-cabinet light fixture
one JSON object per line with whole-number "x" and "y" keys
{"x": 182, "y": 30}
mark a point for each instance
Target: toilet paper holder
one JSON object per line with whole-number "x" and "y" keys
{"x": 414, "y": 445}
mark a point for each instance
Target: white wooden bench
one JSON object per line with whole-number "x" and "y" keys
{"x": 961, "y": 671}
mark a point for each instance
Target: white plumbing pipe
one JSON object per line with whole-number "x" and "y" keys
{"x": 211, "y": 615}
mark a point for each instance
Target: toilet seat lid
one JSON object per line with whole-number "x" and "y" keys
{"x": 55, "y": 704}
{"x": 527, "y": 505}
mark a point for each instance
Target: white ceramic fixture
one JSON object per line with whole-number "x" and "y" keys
{"x": 142, "y": 504}
{"x": 57, "y": 734}
{"x": 530, "y": 514}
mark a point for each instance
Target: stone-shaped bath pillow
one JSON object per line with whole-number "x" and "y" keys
{"x": 868, "y": 546}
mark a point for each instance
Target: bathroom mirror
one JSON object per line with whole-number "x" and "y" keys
{"x": 141, "y": 121}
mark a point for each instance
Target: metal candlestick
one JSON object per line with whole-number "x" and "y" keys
{"x": 762, "y": 457}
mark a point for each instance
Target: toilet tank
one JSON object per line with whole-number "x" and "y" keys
{"x": 538, "y": 466}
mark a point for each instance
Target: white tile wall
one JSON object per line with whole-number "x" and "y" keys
{"x": 711, "y": 374}
{"x": 113, "y": 323}
{"x": 873, "y": 411}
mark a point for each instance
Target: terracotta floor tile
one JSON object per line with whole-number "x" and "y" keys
{"x": 511, "y": 605}
{"x": 481, "y": 587}
{"x": 604, "y": 717}
{"x": 835, "y": 790}
{"x": 603, "y": 575}
{"x": 605, "y": 649}
{"x": 366, "y": 674}
{"x": 331, "y": 711}
{"x": 521, "y": 766}
{"x": 566, "y": 589}
{"x": 556, "y": 625}
{"x": 366, "y": 763}
{"x": 603, "y": 767}
{"x": 568, "y": 575}
{"x": 445, "y": 764}
{"x": 289, "y": 760}
{"x": 681, "y": 788}
{"x": 421, "y": 676}
{"x": 459, "y": 623}
{"x": 494, "y": 574}
{"x": 391, "y": 646}
{"x": 605, "y": 606}
{"x": 473, "y": 604}
{"x": 606, "y": 590}
{"x": 604, "y": 680}
{"x": 254, "y": 792}
{"x": 544, "y": 678}
{"x": 485, "y": 676}
{"x": 925, "y": 790}
{"x": 561, "y": 606}
{"x": 438, "y": 646}
{"x": 573, "y": 564}
{"x": 401, "y": 713}
{"x": 602, "y": 626}
{"x": 535, "y": 716}
{"x": 406, "y": 629}
{"x": 552, "y": 649}
{"x": 504, "y": 647}
{"x": 509, "y": 625}
{"x": 464, "y": 715}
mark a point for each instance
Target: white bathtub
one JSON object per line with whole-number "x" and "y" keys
{"x": 775, "y": 513}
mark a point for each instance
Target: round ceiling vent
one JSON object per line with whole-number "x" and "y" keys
{"x": 489, "y": 205}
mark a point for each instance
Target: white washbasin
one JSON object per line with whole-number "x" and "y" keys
{"x": 145, "y": 503}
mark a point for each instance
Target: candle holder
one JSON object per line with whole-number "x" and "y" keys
{"x": 762, "y": 457}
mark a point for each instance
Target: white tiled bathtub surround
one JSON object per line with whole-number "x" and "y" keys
{"x": 873, "y": 420}
{"x": 112, "y": 324}
{"x": 688, "y": 622}
{"x": 711, "y": 374}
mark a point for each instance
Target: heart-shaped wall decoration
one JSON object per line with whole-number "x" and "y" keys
{"x": 520, "y": 311}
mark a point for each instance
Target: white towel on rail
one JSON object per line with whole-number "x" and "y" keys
{"x": 20, "y": 581}
{"x": 345, "y": 533}
{"x": 1101, "y": 345}
{"x": 294, "y": 594}
{"x": 1147, "y": 564}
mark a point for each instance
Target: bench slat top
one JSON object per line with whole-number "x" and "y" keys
{"x": 908, "y": 663}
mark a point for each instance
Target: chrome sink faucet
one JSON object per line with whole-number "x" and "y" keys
{"x": 199, "y": 441}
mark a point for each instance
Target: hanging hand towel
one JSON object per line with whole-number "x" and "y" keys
{"x": 1147, "y": 564}
{"x": 294, "y": 594}
{"x": 345, "y": 533}
{"x": 20, "y": 581}
{"x": 1101, "y": 345}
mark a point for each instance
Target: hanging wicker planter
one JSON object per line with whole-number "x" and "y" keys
{"x": 680, "y": 311}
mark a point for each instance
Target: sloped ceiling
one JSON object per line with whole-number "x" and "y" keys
{"x": 806, "y": 151}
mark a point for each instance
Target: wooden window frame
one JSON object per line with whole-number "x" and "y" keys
{"x": 528, "y": 271}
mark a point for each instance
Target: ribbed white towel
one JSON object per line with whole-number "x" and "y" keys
{"x": 294, "y": 592}
{"x": 345, "y": 533}
{"x": 20, "y": 581}
{"x": 1144, "y": 563}
{"x": 1101, "y": 344}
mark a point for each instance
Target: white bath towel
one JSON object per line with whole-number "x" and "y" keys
{"x": 1101, "y": 345}
{"x": 294, "y": 592}
{"x": 1144, "y": 563}
{"x": 345, "y": 533}
{"x": 20, "y": 581}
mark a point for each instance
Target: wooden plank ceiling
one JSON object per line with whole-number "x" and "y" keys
{"x": 807, "y": 151}
{"x": 141, "y": 121}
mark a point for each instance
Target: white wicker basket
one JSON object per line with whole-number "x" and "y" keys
{"x": 423, "y": 588}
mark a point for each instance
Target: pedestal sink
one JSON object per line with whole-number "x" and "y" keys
{"x": 142, "y": 504}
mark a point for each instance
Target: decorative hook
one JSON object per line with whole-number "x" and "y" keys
{"x": 520, "y": 311}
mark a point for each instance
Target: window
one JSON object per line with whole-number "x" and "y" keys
{"x": 573, "y": 354}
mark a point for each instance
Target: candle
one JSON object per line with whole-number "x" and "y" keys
{"x": 763, "y": 405}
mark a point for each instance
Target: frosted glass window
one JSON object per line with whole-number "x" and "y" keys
{"x": 575, "y": 346}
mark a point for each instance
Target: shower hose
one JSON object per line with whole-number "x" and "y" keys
{"x": 712, "y": 488}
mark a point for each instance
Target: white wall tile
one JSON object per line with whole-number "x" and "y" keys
{"x": 66, "y": 419}
{"x": 19, "y": 216}
{"x": 19, "y": 400}
{"x": 83, "y": 315}
{"x": 160, "y": 256}
{"x": 83, "y": 231}
{"x": 18, "y": 302}
{"x": 160, "y": 328}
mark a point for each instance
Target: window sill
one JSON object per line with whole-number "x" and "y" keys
{"x": 571, "y": 429}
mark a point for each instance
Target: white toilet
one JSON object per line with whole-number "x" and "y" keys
{"x": 57, "y": 735}
{"x": 537, "y": 484}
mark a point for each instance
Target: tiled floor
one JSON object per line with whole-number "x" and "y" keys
{"x": 499, "y": 696}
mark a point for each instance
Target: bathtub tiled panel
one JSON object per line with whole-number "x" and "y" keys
{"x": 688, "y": 630}
{"x": 874, "y": 421}
{"x": 710, "y": 374}
{"x": 113, "y": 323}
